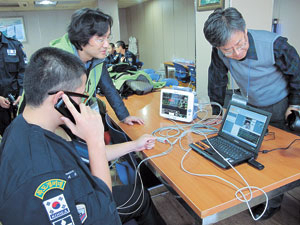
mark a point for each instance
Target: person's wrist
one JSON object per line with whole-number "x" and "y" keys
{"x": 95, "y": 144}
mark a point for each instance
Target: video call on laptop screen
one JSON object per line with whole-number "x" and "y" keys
{"x": 175, "y": 104}
{"x": 244, "y": 125}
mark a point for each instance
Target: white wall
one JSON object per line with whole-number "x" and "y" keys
{"x": 111, "y": 7}
{"x": 123, "y": 25}
{"x": 287, "y": 11}
{"x": 42, "y": 27}
{"x": 165, "y": 29}
{"x": 256, "y": 18}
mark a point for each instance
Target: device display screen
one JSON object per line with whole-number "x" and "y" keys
{"x": 175, "y": 104}
{"x": 244, "y": 125}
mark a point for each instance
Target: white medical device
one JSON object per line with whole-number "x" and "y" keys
{"x": 177, "y": 105}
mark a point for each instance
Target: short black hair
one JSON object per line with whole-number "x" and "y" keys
{"x": 121, "y": 43}
{"x": 112, "y": 45}
{"x": 85, "y": 23}
{"x": 221, "y": 24}
{"x": 51, "y": 69}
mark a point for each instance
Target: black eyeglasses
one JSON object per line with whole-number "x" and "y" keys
{"x": 69, "y": 94}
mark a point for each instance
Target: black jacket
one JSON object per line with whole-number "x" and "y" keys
{"x": 44, "y": 181}
{"x": 12, "y": 66}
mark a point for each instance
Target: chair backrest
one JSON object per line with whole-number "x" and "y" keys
{"x": 180, "y": 68}
{"x": 181, "y": 73}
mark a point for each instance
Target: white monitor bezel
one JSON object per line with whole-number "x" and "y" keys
{"x": 190, "y": 108}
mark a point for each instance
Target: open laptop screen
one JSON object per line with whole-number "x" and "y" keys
{"x": 244, "y": 124}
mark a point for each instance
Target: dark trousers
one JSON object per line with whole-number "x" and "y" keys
{"x": 5, "y": 119}
{"x": 147, "y": 214}
{"x": 278, "y": 113}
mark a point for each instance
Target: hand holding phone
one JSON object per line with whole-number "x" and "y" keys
{"x": 61, "y": 107}
{"x": 88, "y": 126}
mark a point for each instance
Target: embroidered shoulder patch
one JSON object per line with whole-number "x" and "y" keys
{"x": 81, "y": 209}
{"x": 56, "y": 207}
{"x": 48, "y": 185}
{"x": 68, "y": 220}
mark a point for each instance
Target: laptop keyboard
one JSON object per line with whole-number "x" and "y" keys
{"x": 228, "y": 149}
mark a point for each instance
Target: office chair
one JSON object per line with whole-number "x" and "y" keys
{"x": 192, "y": 71}
{"x": 181, "y": 73}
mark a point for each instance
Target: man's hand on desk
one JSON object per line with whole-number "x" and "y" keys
{"x": 144, "y": 142}
{"x": 130, "y": 120}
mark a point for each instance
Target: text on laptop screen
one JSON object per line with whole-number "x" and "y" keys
{"x": 175, "y": 104}
{"x": 244, "y": 125}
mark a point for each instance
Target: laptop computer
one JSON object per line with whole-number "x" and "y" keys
{"x": 239, "y": 138}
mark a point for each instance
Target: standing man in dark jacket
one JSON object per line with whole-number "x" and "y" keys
{"x": 12, "y": 67}
{"x": 263, "y": 64}
{"x": 88, "y": 37}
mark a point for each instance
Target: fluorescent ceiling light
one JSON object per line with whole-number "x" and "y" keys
{"x": 45, "y": 3}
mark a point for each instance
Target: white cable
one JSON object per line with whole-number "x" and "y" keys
{"x": 135, "y": 182}
{"x": 203, "y": 129}
{"x": 239, "y": 190}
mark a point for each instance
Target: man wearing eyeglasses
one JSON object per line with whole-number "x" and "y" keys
{"x": 88, "y": 37}
{"x": 263, "y": 64}
{"x": 43, "y": 178}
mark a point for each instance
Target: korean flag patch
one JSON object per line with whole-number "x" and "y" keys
{"x": 56, "y": 207}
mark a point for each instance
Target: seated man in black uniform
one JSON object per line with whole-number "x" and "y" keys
{"x": 125, "y": 56}
{"x": 112, "y": 57}
{"x": 43, "y": 179}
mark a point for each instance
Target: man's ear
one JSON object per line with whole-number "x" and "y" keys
{"x": 56, "y": 97}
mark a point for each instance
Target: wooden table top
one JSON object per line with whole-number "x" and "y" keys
{"x": 207, "y": 196}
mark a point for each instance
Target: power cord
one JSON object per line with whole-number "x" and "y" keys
{"x": 275, "y": 149}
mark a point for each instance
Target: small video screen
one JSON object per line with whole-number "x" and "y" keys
{"x": 244, "y": 125}
{"x": 175, "y": 104}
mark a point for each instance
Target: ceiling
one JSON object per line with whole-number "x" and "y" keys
{"x": 28, "y": 5}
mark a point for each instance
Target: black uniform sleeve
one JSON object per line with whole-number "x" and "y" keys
{"x": 217, "y": 80}
{"x": 110, "y": 92}
{"x": 130, "y": 58}
{"x": 288, "y": 62}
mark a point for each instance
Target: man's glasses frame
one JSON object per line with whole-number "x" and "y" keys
{"x": 238, "y": 47}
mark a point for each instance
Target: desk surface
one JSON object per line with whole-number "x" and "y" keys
{"x": 208, "y": 196}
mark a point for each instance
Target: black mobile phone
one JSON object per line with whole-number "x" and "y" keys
{"x": 61, "y": 107}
